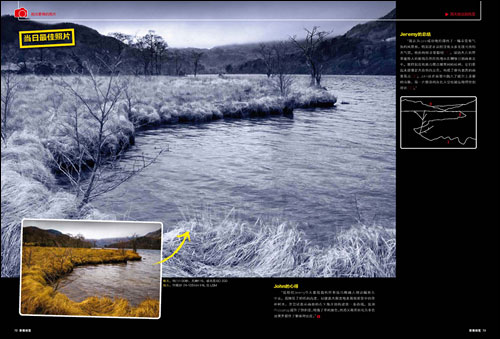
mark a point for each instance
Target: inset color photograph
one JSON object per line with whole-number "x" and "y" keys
{"x": 89, "y": 268}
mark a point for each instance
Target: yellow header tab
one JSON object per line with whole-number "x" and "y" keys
{"x": 47, "y": 38}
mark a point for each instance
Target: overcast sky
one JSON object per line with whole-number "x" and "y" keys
{"x": 95, "y": 230}
{"x": 204, "y": 25}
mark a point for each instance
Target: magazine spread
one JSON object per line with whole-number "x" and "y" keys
{"x": 320, "y": 163}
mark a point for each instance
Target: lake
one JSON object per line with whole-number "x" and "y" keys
{"x": 134, "y": 280}
{"x": 323, "y": 169}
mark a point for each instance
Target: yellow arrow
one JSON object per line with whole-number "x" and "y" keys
{"x": 185, "y": 235}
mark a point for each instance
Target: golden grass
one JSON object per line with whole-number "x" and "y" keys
{"x": 42, "y": 266}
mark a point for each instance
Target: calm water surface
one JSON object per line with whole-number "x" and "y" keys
{"x": 135, "y": 280}
{"x": 309, "y": 170}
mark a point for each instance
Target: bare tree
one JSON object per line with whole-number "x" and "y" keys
{"x": 196, "y": 57}
{"x": 122, "y": 247}
{"x": 57, "y": 262}
{"x": 10, "y": 83}
{"x": 283, "y": 79}
{"x": 153, "y": 49}
{"x": 130, "y": 100}
{"x": 311, "y": 52}
{"x": 80, "y": 240}
{"x": 175, "y": 56}
{"x": 266, "y": 54}
{"x": 160, "y": 47}
{"x": 73, "y": 162}
{"x": 135, "y": 43}
{"x": 126, "y": 39}
{"x": 145, "y": 55}
{"x": 133, "y": 240}
{"x": 91, "y": 170}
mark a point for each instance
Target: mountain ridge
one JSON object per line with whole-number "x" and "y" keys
{"x": 366, "y": 48}
{"x": 54, "y": 238}
{"x": 151, "y": 240}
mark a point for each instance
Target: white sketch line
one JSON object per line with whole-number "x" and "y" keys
{"x": 438, "y": 106}
{"x": 438, "y": 109}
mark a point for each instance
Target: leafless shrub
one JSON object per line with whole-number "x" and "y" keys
{"x": 282, "y": 78}
{"x": 10, "y": 83}
{"x": 89, "y": 166}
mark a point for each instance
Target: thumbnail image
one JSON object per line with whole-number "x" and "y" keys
{"x": 89, "y": 268}
{"x": 438, "y": 122}
{"x": 270, "y": 139}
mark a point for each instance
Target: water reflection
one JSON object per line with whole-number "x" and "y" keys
{"x": 134, "y": 280}
{"x": 309, "y": 170}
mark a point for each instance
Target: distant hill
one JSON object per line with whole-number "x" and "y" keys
{"x": 106, "y": 241}
{"x": 154, "y": 234}
{"x": 87, "y": 41}
{"x": 374, "y": 30}
{"x": 151, "y": 240}
{"x": 368, "y": 48}
{"x": 40, "y": 237}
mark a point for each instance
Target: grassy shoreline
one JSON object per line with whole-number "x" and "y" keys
{"x": 44, "y": 265}
{"x": 29, "y": 186}
{"x": 228, "y": 247}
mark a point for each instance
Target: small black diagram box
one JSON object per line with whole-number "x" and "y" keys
{"x": 439, "y": 122}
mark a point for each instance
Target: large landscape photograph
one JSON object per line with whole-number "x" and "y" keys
{"x": 265, "y": 129}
